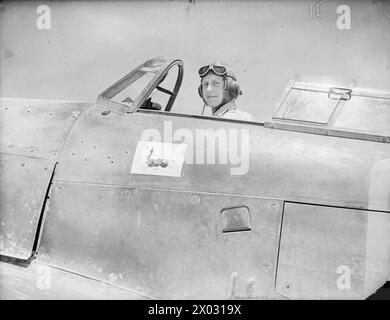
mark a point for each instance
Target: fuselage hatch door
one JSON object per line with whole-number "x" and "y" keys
{"x": 24, "y": 184}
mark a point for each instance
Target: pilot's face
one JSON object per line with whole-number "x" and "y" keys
{"x": 212, "y": 89}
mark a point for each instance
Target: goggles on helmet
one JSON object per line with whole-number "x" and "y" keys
{"x": 218, "y": 70}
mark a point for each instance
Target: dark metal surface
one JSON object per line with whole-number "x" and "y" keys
{"x": 23, "y": 186}
{"x": 319, "y": 243}
{"x": 165, "y": 244}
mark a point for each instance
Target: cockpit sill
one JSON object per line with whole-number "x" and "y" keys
{"x": 296, "y": 127}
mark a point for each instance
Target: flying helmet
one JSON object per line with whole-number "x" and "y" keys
{"x": 231, "y": 87}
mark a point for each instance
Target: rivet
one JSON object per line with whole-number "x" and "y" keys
{"x": 22, "y": 164}
{"x": 45, "y": 257}
{"x": 195, "y": 199}
{"x": 105, "y": 112}
{"x": 287, "y": 287}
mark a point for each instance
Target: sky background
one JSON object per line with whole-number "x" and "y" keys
{"x": 92, "y": 44}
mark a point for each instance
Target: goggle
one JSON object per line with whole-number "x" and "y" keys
{"x": 218, "y": 70}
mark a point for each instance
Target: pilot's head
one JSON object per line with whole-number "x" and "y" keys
{"x": 218, "y": 84}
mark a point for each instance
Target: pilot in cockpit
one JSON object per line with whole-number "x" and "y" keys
{"x": 219, "y": 89}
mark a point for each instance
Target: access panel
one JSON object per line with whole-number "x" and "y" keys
{"x": 164, "y": 243}
{"x": 332, "y": 253}
{"x": 23, "y": 186}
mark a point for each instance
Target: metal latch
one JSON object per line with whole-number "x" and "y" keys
{"x": 339, "y": 94}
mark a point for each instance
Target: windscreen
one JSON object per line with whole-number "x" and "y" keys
{"x": 132, "y": 87}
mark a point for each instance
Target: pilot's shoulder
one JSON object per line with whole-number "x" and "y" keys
{"x": 238, "y": 115}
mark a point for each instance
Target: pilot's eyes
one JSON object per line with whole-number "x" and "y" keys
{"x": 214, "y": 83}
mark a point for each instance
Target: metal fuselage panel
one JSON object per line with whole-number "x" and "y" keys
{"x": 40, "y": 281}
{"x": 147, "y": 232}
{"x": 23, "y": 186}
{"x": 332, "y": 253}
{"x": 163, "y": 236}
{"x": 37, "y": 128}
{"x": 32, "y": 134}
{"x": 163, "y": 244}
{"x": 292, "y": 166}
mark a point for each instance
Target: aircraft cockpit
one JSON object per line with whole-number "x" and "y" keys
{"x": 154, "y": 85}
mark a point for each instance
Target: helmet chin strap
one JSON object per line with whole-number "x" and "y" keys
{"x": 204, "y": 106}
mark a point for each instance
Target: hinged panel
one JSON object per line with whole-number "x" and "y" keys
{"x": 336, "y": 105}
{"x": 161, "y": 243}
{"x": 23, "y": 186}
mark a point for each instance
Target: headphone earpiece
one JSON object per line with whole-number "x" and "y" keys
{"x": 200, "y": 92}
{"x": 233, "y": 88}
